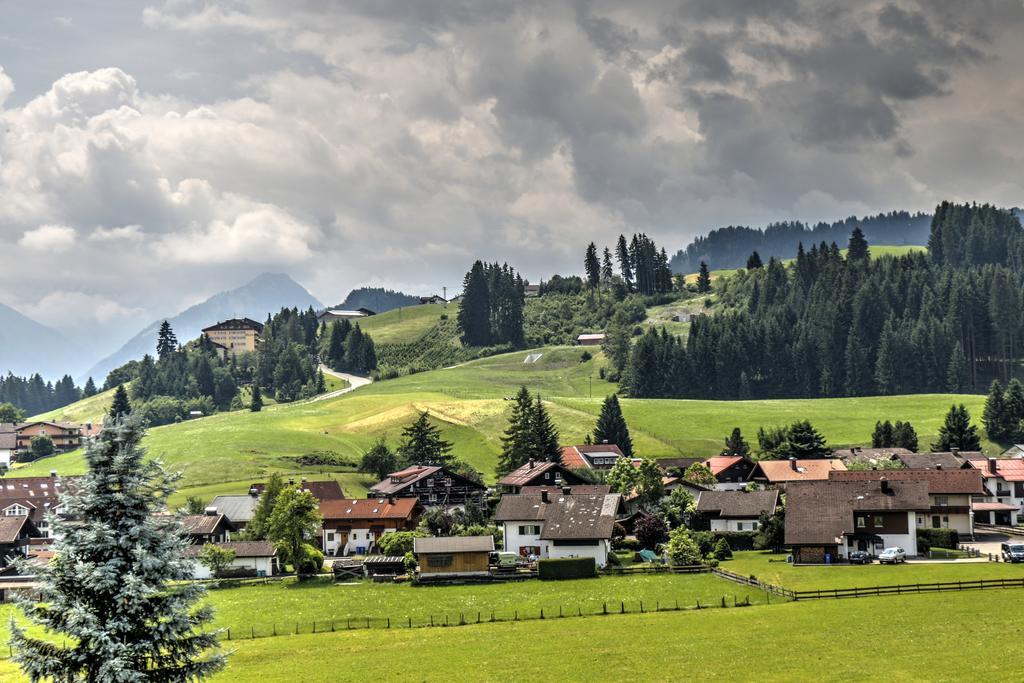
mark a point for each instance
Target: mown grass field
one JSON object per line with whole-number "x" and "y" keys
{"x": 90, "y": 409}
{"x": 771, "y": 568}
{"x": 405, "y": 325}
{"x": 950, "y": 637}
{"x": 226, "y": 452}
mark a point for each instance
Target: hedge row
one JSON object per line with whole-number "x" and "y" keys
{"x": 567, "y": 568}
{"x": 938, "y": 538}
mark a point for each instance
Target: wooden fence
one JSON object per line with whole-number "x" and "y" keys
{"x": 906, "y": 589}
{"x": 753, "y": 581}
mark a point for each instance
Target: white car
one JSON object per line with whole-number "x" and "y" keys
{"x": 892, "y": 556}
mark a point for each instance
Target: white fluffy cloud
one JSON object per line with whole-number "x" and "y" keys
{"x": 356, "y": 142}
{"x": 49, "y": 238}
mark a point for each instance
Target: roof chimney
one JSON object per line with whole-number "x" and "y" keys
{"x": 531, "y": 463}
{"x": 792, "y": 464}
{"x": 544, "y": 496}
{"x": 391, "y": 500}
{"x": 53, "y": 473}
{"x": 938, "y": 466}
{"x": 992, "y": 465}
{"x": 210, "y": 511}
{"x": 955, "y": 452}
{"x": 291, "y": 481}
{"x": 885, "y": 486}
{"x": 566, "y": 491}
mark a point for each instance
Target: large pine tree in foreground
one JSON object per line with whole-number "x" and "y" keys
{"x": 116, "y": 592}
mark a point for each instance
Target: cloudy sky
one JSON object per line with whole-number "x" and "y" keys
{"x": 151, "y": 155}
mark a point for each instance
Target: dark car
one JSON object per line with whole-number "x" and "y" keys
{"x": 1013, "y": 552}
{"x": 860, "y": 557}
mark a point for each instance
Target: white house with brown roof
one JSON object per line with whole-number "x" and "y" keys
{"x": 553, "y": 525}
{"x": 593, "y": 456}
{"x": 258, "y": 556}
{"x": 1004, "y": 488}
{"x": 353, "y": 526}
{"x": 737, "y": 510}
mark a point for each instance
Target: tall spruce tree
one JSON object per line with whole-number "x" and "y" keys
{"x": 735, "y": 444}
{"x": 256, "y": 404}
{"x": 423, "y": 444}
{"x": 607, "y": 271}
{"x": 545, "y": 435}
{"x": 957, "y": 432}
{"x": 904, "y": 436}
{"x": 754, "y": 261}
{"x": 89, "y": 389}
{"x": 857, "y": 249}
{"x": 117, "y": 591}
{"x": 994, "y": 416}
{"x": 957, "y": 378}
{"x": 625, "y": 265}
{"x": 474, "y": 317}
{"x": 592, "y": 266}
{"x": 611, "y": 427}
{"x": 259, "y": 525}
{"x": 703, "y": 279}
{"x": 120, "y": 406}
{"x": 166, "y": 342}
{"x": 517, "y": 443}
{"x": 336, "y": 345}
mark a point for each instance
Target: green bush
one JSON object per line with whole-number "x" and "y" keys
{"x": 235, "y": 573}
{"x": 722, "y": 550}
{"x": 567, "y": 568}
{"x": 626, "y": 544}
{"x": 737, "y": 540}
{"x": 938, "y": 538}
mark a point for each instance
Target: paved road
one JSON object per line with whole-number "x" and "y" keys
{"x": 354, "y": 382}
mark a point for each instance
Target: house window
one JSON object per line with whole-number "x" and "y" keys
{"x": 433, "y": 497}
{"x": 945, "y": 520}
{"x": 439, "y": 560}
{"x": 920, "y": 521}
{"x": 547, "y": 475}
{"x": 330, "y": 538}
{"x": 430, "y": 483}
{"x": 861, "y": 523}
{"x": 739, "y": 526}
{"x": 942, "y": 500}
{"x": 879, "y": 522}
{"x": 16, "y": 511}
{"x": 448, "y": 481}
{"x": 529, "y": 530}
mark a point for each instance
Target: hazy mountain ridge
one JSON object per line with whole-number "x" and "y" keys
{"x": 28, "y": 347}
{"x": 265, "y": 294}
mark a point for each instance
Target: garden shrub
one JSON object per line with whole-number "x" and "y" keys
{"x": 567, "y": 568}
{"x": 939, "y": 538}
{"x": 737, "y": 540}
{"x": 722, "y": 550}
{"x": 625, "y": 544}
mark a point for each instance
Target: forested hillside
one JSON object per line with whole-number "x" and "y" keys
{"x": 729, "y": 247}
{"x": 828, "y": 325}
{"x": 377, "y": 299}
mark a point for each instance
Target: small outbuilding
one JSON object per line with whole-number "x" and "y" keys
{"x": 590, "y": 339}
{"x": 453, "y": 556}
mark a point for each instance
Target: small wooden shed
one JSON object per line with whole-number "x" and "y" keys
{"x": 454, "y": 555}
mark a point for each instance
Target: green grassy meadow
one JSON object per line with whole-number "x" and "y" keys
{"x": 907, "y": 638}
{"x": 223, "y": 453}
{"x": 405, "y": 325}
{"x": 91, "y": 409}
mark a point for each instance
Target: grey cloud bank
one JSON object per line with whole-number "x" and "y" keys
{"x": 150, "y": 157}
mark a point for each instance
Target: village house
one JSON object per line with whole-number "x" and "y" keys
{"x": 868, "y": 456}
{"x": 453, "y": 556}
{"x": 328, "y": 489}
{"x": 259, "y": 557}
{"x": 737, "y": 510}
{"x": 595, "y": 339}
{"x": 209, "y": 527}
{"x": 542, "y": 473}
{"x": 235, "y": 336}
{"x": 33, "y": 497}
{"x": 353, "y": 526}
{"x": 434, "y": 487}
{"x": 779, "y": 473}
{"x": 531, "y": 291}
{"x": 238, "y": 509}
{"x": 15, "y": 535}
{"x": 731, "y": 471}
{"x": 931, "y": 461}
{"x": 8, "y": 447}
{"x": 1016, "y": 451}
{"x": 581, "y": 489}
{"x": 1003, "y": 503}
{"x": 950, "y": 493}
{"x": 827, "y": 519}
{"x": 432, "y": 299}
{"x": 593, "y": 456}
{"x": 66, "y": 436}
{"x": 333, "y": 315}
{"x": 559, "y": 525}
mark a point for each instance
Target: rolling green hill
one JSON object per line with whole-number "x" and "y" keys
{"x": 223, "y": 453}
{"x": 405, "y": 325}
{"x": 90, "y": 409}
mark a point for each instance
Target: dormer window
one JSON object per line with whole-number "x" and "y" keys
{"x": 16, "y": 511}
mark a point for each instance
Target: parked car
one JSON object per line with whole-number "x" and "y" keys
{"x": 892, "y": 556}
{"x": 1013, "y": 552}
{"x": 860, "y": 557}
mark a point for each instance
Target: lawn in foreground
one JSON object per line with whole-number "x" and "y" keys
{"x": 894, "y": 639}
{"x": 771, "y": 568}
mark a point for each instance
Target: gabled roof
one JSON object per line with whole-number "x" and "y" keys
{"x": 12, "y": 527}
{"x": 868, "y": 455}
{"x": 1007, "y": 469}
{"x": 401, "y": 480}
{"x": 680, "y": 463}
{"x": 321, "y": 490}
{"x": 572, "y": 517}
{"x": 574, "y": 489}
{"x": 235, "y": 324}
{"x": 577, "y": 457}
{"x": 939, "y": 481}
{"x": 204, "y": 524}
{"x": 777, "y": 471}
{"x": 930, "y": 461}
{"x": 597, "y": 336}
{"x": 236, "y": 508}
{"x": 8, "y": 441}
{"x": 453, "y": 544}
{"x": 530, "y": 471}
{"x": 738, "y": 504}
{"x": 338, "y": 312}
{"x": 368, "y": 508}
{"x": 822, "y": 512}
{"x": 721, "y": 463}
{"x": 241, "y": 548}
{"x": 68, "y": 426}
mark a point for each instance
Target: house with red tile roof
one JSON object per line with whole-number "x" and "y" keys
{"x": 731, "y": 471}
{"x": 354, "y": 525}
{"x": 594, "y": 456}
{"x": 1004, "y": 486}
{"x": 778, "y": 473}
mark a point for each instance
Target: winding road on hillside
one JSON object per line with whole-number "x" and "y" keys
{"x": 354, "y": 382}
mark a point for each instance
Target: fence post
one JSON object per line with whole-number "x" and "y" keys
{"x": 623, "y": 607}
{"x": 516, "y": 617}
{"x": 410, "y": 622}
{"x": 296, "y": 628}
{"x": 229, "y": 633}
{"x": 389, "y": 622}
{"x": 275, "y": 628}
{"x": 252, "y": 632}
{"x": 541, "y": 612}
{"x": 606, "y": 608}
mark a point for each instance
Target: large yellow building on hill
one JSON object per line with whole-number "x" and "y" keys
{"x": 235, "y": 336}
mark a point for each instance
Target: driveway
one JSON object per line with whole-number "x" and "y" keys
{"x": 354, "y": 382}
{"x": 988, "y": 542}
